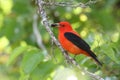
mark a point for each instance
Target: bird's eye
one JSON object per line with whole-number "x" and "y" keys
{"x": 62, "y": 25}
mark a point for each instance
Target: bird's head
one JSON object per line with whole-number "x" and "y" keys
{"x": 63, "y": 26}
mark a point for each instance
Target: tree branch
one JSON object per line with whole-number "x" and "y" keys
{"x": 46, "y": 24}
{"x": 69, "y": 4}
{"x": 45, "y": 21}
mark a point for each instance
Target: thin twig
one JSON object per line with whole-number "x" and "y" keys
{"x": 52, "y": 50}
{"x": 43, "y": 15}
{"x": 37, "y": 34}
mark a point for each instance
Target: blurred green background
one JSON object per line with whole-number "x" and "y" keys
{"x": 22, "y": 59}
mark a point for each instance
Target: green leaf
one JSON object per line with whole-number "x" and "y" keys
{"x": 31, "y": 59}
{"x": 43, "y": 69}
{"x": 16, "y": 52}
{"x": 110, "y": 53}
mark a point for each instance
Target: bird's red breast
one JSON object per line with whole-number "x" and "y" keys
{"x": 68, "y": 45}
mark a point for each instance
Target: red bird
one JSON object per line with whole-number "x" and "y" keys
{"x": 72, "y": 42}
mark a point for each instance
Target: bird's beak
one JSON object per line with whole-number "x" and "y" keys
{"x": 55, "y": 25}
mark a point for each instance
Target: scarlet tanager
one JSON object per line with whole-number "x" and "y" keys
{"x": 72, "y": 42}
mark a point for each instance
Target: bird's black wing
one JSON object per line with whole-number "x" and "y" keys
{"x": 79, "y": 42}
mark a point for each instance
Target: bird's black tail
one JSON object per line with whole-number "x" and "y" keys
{"x": 95, "y": 57}
{"x": 97, "y": 61}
